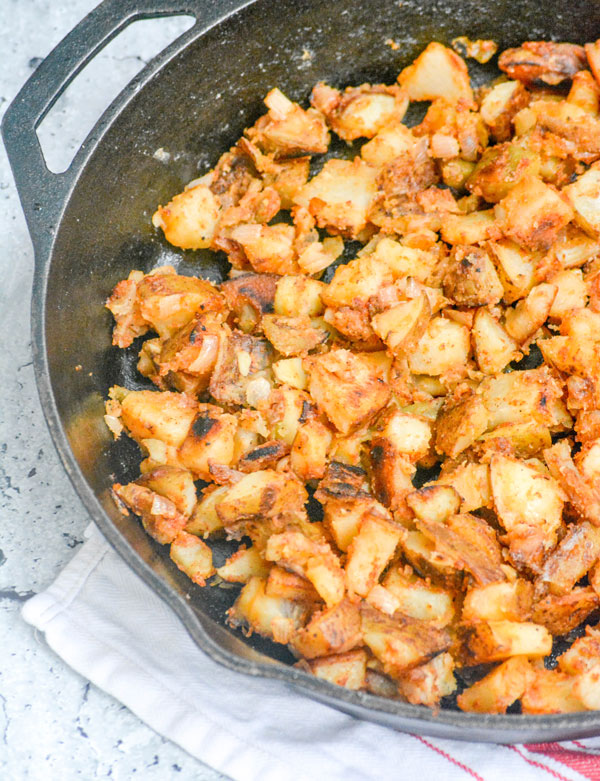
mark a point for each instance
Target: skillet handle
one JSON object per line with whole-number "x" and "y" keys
{"x": 43, "y": 194}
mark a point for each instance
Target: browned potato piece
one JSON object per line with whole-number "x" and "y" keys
{"x": 529, "y": 506}
{"x": 533, "y": 213}
{"x": 435, "y": 503}
{"x": 154, "y": 415}
{"x": 459, "y": 424}
{"x": 346, "y": 388}
{"x": 583, "y": 655}
{"x": 259, "y": 495}
{"x": 516, "y": 268}
{"x": 400, "y": 643}
{"x": 471, "y": 482}
{"x": 268, "y": 248}
{"x": 296, "y": 295}
{"x": 498, "y": 689}
{"x": 444, "y": 347}
{"x": 402, "y": 325}
{"x": 335, "y": 630}
{"x": 508, "y": 601}
{"x": 531, "y": 313}
{"x": 124, "y": 305}
{"x": 272, "y": 617}
{"x": 500, "y": 168}
{"x": 369, "y": 552}
{"x": 210, "y": 440}
{"x": 242, "y": 359}
{"x": 494, "y": 349}
{"x": 500, "y": 105}
{"x": 309, "y": 452}
{"x": 550, "y": 691}
{"x": 584, "y": 197}
{"x": 348, "y": 670}
{"x": 173, "y": 483}
{"x": 576, "y": 553}
{"x": 159, "y": 516}
{"x": 293, "y": 335}
{"x": 404, "y": 591}
{"x": 545, "y": 61}
{"x": 581, "y": 494}
{"x": 204, "y": 520}
{"x": 189, "y": 220}
{"x": 494, "y": 641}
{"x": 428, "y": 683}
{"x": 281, "y": 583}
{"x": 523, "y": 440}
{"x": 314, "y": 560}
{"x": 193, "y": 350}
{"x": 249, "y": 296}
{"x": 473, "y": 228}
{"x": 421, "y": 553}
{"x": 391, "y": 141}
{"x": 342, "y": 518}
{"x": 472, "y": 280}
{"x": 192, "y": 556}
{"x": 438, "y": 72}
{"x": 242, "y": 565}
{"x": 561, "y": 614}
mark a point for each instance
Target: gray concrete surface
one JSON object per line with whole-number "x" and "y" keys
{"x": 53, "y": 723}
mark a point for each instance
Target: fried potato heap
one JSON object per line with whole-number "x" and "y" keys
{"x": 480, "y": 233}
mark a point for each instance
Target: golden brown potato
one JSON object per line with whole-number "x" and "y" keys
{"x": 550, "y": 691}
{"x": 193, "y": 557}
{"x": 498, "y": 689}
{"x": 154, "y": 415}
{"x": 561, "y": 614}
{"x": 159, "y": 515}
{"x": 443, "y": 348}
{"x": 289, "y": 585}
{"x": 524, "y": 319}
{"x": 210, "y": 440}
{"x": 494, "y": 349}
{"x": 173, "y": 483}
{"x": 494, "y": 641}
{"x": 244, "y": 564}
{"x": 435, "y": 503}
{"x": 348, "y": 670}
{"x": 428, "y": 683}
{"x": 293, "y": 334}
{"x": 544, "y": 61}
{"x": 581, "y": 494}
{"x": 335, "y": 630}
{"x": 576, "y": 553}
{"x": 260, "y": 495}
{"x": 472, "y": 280}
{"x": 249, "y": 296}
{"x": 309, "y": 452}
{"x": 189, "y": 220}
{"x": 459, "y": 424}
{"x": 370, "y": 551}
{"x": 582, "y": 655}
{"x": 584, "y": 197}
{"x": 242, "y": 364}
{"x": 402, "y": 325}
{"x": 272, "y": 617}
{"x": 508, "y": 601}
{"x": 438, "y": 72}
{"x": 500, "y": 105}
{"x": 404, "y": 591}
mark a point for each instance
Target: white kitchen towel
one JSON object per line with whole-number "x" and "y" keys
{"x": 110, "y": 627}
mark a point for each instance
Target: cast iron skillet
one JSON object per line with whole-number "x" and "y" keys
{"x": 91, "y": 225}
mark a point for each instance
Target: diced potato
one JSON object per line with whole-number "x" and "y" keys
{"x": 438, "y": 72}
{"x": 494, "y": 641}
{"x": 387, "y": 144}
{"x": 585, "y": 92}
{"x": 343, "y": 518}
{"x": 417, "y": 598}
{"x": 494, "y": 349}
{"x": 282, "y": 583}
{"x": 524, "y": 439}
{"x": 242, "y": 359}
{"x": 242, "y": 565}
{"x": 357, "y": 281}
{"x": 499, "y": 106}
{"x": 459, "y": 424}
{"x": 268, "y": 248}
{"x": 339, "y": 196}
{"x": 346, "y": 388}
{"x": 473, "y": 228}
{"x": 498, "y": 689}
{"x": 404, "y": 261}
{"x": 531, "y": 313}
{"x": 563, "y": 613}
{"x": 402, "y": 326}
{"x": 192, "y": 556}
{"x": 298, "y": 295}
{"x": 289, "y": 371}
{"x": 369, "y": 552}
{"x": 293, "y": 334}
{"x": 400, "y": 643}
{"x": 315, "y": 561}
{"x": 308, "y": 456}
{"x": 335, "y": 630}
{"x": 584, "y": 197}
{"x": 273, "y": 617}
{"x": 576, "y": 553}
{"x": 472, "y": 280}
{"x": 259, "y": 495}
{"x": 583, "y": 496}
{"x": 472, "y": 484}
{"x": 428, "y": 683}
{"x": 434, "y": 503}
{"x": 159, "y": 516}
{"x": 445, "y": 346}
{"x": 348, "y": 670}
{"x": 550, "y": 691}
{"x": 158, "y": 415}
{"x": 204, "y": 519}
{"x": 529, "y": 506}
{"x": 210, "y": 440}
{"x": 583, "y": 655}
{"x": 509, "y": 601}
{"x": 516, "y": 268}
{"x": 189, "y": 220}
{"x": 421, "y": 553}
{"x": 545, "y": 61}
{"x": 287, "y": 409}
{"x": 173, "y": 483}
{"x": 533, "y": 214}
{"x": 587, "y": 688}
{"x": 500, "y": 168}
{"x": 571, "y": 292}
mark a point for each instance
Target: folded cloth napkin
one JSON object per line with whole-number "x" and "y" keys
{"x": 110, "y": 627}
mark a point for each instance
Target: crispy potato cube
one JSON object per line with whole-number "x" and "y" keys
{"x": 204, "y": 520}
{"x": 293, "y": 335}
{"x": 210, "y": 440}
{"x": 459, "y": 424}
{"x": 339, "y": 196}
{"x": 159, "y": 516}
{"x": 571, "y": 292}
{"x": 391, "y": 475}
{"x": 422, "y": 554}
{"x": 268, "y": 248}
{"x": 472, "y": 279}
{"x": 583, "y": 655}
{"x": 399, "y": 642}
{"x": 259, "y": 495}
{"x": 584, "y": 197}
{"x": 471, "y": 482}
{"x": 415, "y": 597}
{"x": 249, "y": 296}
{"x": 434, "y": 503}
{"x": 348, "y": 670}
{"x": 546, "y": 61}
{"x": 587, "y": 688}
{"x": 494, "y": 349}
{"x": 402, "y": 325}
{"x": 242, "y": 565}
{"x": 561, "y": 614}
{"x": 438, "y": 72}
{"x": 499, "y": 106}
{"x": 335, "y": 630}
{"x": 509, "y": 601}
{"x": 529, "y": 506}
{"x": 391, "y": 141}
{"x": 287, "y": 408}
{"x": 473, "y": 228}
{"x": 369, "y": 552}
{"x": 289, "y": 371}
{"x": 524, "y": 319}
{"x": 281, "y": 583}
{"x": 308, "y": 457}
{"x": 498, "y": 689}
{"x": 516, "y": 268}
{"x": 346, "y": 388}
{"x": 297, "y": 295}
{"x": 428, "y": 683}
{"x": 494, "y": 641}
{"x": 500, "y": 168}
{"x": 445, "y": 346}
{"x": 314, "y": 560}
{"x": 357, "y": 281}
{"x": 342, "y": 518}
{"x": 158, "y": 415}
{"x": 173, "y": 483}
{"x": 273, "y": 617}
{"x": 189, "y": 220}
{"x": 576, "y": 553}
{"x": 404, "y": 261}
{"x": 192, "y": 556}
{"x": 242, "y": 358}
{"x": 409, "y": 434}
{"x": 550, "y": 691}
{"x": 533, "y": 213}
{"x": 522, "y": 440}
{"x": 582, "y": 495}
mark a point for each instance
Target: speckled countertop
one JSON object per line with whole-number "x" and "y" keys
{"x": 53, "y": 723}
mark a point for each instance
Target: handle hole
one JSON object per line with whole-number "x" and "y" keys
{"x": 75, "y": 113}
